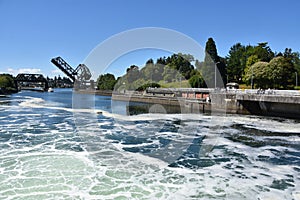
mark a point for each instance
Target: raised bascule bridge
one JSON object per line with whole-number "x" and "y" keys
{"x": 80, "y": 76}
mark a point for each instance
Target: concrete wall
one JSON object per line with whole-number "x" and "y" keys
{"x": 225, "y": 102}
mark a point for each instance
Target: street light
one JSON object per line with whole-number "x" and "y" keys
{"x": 296, "y": 79}
{"x": 216, "y": 74}
{"x": 251, "y": 77}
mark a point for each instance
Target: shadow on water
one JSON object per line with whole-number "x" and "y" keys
{"x": 135, "y": 108}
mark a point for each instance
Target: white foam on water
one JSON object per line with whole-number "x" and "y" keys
{"x": 104, "y": 170}
{"x": 260, "y": 123}
{"x": 42, "y": 174}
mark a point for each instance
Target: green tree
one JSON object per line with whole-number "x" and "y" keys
{"x": 281, "y": 72}
{"x": 147, "y": 85}
{"x": 197, "y": 81}
{"x": 260, "y": 73}
{"x": 152, "y": 72}
{"x": 293, "y": 57}
{"x": 212, "y": 62}
{"x": 211, "y": 50}
{"x": 181, "y": 63}
{"x": 7, "y": 84}
{"x": 132, "y": 73}
{"x": 169, "y": 74}
{"x": 236, "y": 62}
{"x": 263, "y": 52}
{"x": 106, "y": 82}
{"x": 238, "y": 59}
{"x": 278, "y": 73}
{"x": 222, "y": 67}
{"x": 150, "y": 61}
{"x": 251, "y": 60}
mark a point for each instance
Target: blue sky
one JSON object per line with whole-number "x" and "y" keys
{"x": 34, "y": 31}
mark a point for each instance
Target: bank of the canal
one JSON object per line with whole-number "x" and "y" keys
{"x": 267, "y": 103}
{"x": 277, "y": 103}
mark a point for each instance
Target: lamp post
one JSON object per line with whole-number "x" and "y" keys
{"x": 251, "y": 77}
{"x": 216, "y": 74}
{"x": 296, "y": 79}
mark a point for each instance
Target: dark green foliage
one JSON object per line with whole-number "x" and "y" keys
{"x": 239, "y": 55}
{"x": 169, "y": 74}
{"x": 150, "y": 61}
{"x": 181, "y": 63}
{"x": 6, "y": 81}
{"x": 281, "y": 72}
{"x": 211, "y": 51}
{"x": 161, "y": 61}
{"x": 260, "y": 72}
{"x": 221, "y": 65}
{"x": 152, "y": 72}
{"x": 213, "y": 68}
{"x": 174, "y": 68}
{"x": 132, "y": 73}
{"x": 197, "y": 81}
{"x": 236, "y": 62}
{"x": 263, "y": 52}
{"x": 106, "y": 82}
{"x": 293, "y": 57}
{"x": 147, "y": 85}
{"x": 7, "y": 84}
{"x": 278, "y": 73}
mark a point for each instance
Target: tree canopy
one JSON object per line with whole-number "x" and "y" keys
{"x": 278, "y": 73}
{"x": 106, "y": 82}
{"x": 7, "y": 84}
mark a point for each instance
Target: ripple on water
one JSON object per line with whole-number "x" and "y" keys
{"x": 43, "y": 156}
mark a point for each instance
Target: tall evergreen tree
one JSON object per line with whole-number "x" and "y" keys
{"x": 236, "y": 62}
{"x": 211, "y": 51}
{"x": 263, "y": 52}
{"x": 212, "y": 61}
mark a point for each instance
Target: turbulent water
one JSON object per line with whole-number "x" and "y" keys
{"x": 49, "y": 150}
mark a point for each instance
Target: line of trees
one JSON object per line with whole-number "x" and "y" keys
{"x": 262, "y": 67}
{"x": 8, "y": 85}
{"x": 257, "y": 66}
{"x": 174, "y": 68}
{"x": 59, "y": 82}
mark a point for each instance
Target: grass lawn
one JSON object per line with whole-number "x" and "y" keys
{"x": 183, "y": 84}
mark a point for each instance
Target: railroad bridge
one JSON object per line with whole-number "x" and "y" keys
{"x": 31, "y": 82}
{"x": 80, "y": 76}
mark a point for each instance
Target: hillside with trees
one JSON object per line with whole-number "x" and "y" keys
{"x": 255, "y": 66}
{"x": 175, "y": 69}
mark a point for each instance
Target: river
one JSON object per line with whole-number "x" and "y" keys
{"x": 49, "y": 150}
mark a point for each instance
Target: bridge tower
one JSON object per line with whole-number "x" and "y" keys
{"x": 80, "y": 76}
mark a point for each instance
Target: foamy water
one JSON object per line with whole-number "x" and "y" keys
{"x": 49, "y": 150}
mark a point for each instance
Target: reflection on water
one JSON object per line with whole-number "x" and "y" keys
{"x": 141, "y": 108}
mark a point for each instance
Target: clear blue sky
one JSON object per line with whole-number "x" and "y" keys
{"x": 34, "y": 31}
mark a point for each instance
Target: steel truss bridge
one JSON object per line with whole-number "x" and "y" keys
{"x": 80, "y": 76}
{"x": 31, "y": 82}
